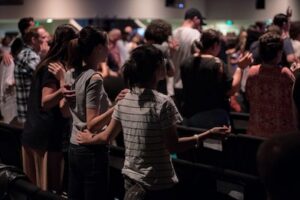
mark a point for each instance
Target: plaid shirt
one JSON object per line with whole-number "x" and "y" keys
{"x": 26, "y": 63}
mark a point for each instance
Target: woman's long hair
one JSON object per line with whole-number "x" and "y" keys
{"x": 58, "y": 49}
{"x": 79, "y": 49}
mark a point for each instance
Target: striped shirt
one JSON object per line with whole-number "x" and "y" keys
{"x": 26, "y": 62}
{"x": 144, "y": 115}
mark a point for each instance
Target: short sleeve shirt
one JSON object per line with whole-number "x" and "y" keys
{"x": 145, "y": 114}
{"x": 90, "y": 93}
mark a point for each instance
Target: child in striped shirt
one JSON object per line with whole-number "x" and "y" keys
{"x": 148, "y": 121}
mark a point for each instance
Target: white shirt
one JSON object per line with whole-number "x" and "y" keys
{"x": 185, "y": 36}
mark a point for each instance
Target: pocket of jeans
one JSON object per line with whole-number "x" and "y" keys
{"x": 135, "y": 192}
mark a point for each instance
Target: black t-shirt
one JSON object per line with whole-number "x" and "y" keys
{"x": 43, "y": 129}
{"x": 205, "y": 85}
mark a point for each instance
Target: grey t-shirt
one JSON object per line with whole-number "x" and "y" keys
{"x": 185, "y": 36}
{"x": 89, "y": 94}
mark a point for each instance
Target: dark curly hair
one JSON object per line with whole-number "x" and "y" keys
{"x": 24, "y": 24}
{"x": 280, "y": 20}
{"x": 269, "y": 45}
{"x": 209, "y": 38}
{"x": 158, "y": 31}
{"x": 80, "y": 48}
{"x": 140, "y": 68}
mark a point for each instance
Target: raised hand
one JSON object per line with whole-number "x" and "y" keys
{"x": 295, "y": 66}
{"x": 245, "y": 60}
{"x": 57, "y": 69}
{"x": 7, "y": 58}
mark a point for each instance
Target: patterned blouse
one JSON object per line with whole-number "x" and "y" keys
{"x": 269, "y": 92}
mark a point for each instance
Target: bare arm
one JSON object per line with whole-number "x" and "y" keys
{"x": 106, "y": 136}
{"x": 51, "y": 96}
{"x": 95, "y": 121}
{"x": 236, "y": 82}
{"x": 243, "y": 62}
{"x": 104, "y": 69}
{"x": 170, "y": 68}
{"x": 57, "y": 69}
{"x": 175, "y": 144}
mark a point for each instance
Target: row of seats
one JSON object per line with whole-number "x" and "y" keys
{"x": 10, "y": 145}
{"x": 236, "y": 151}
{"x": 239, "y": 122}
{"x": 220, "y": 169}
{"x": 197, "y": 181}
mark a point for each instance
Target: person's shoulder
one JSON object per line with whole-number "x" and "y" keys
{"x": 189, "y": 60}
{"x": 253, "y": 70}
{"x": 210, "y": 57}
{"x": 90, "y": 74}
{"x": 163, "y": 48}
{"x": 25, "y": 52}
{"x": 18, "y": 41}
{"x": 163, "y": 99}
{"x": 160, "y": 97}
{"x": 208, "y": 60}
{"x": 287, "y": 72}
{"x": 97, "y": 77}
{"x": 186, "y": 29}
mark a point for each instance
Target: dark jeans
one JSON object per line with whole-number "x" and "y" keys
{"x": 88, "y": 172}
{"x": 135, "y": 191}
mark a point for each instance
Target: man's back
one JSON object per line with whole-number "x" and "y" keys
{"x": 185, "y": 37}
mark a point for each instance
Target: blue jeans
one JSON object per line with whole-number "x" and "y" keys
{"x": 88, "y": 172}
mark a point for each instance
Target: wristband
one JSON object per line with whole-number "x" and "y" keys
{"x": 197, "y": 141}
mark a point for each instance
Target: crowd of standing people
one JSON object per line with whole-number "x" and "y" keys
{"x": 58, "y": 86}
